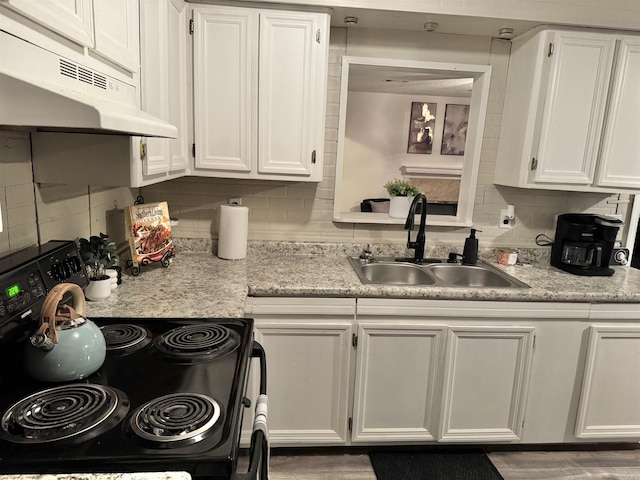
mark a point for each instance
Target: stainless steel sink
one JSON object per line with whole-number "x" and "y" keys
{"x": 388, "y": 271}
{"x": 478, "y": 275}
{"x": 396, "y": 274}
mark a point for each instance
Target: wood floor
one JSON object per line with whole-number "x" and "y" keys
{"x": 607, "y": 464}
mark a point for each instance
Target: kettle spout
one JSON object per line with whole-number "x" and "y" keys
{"x": 41, "y": 341}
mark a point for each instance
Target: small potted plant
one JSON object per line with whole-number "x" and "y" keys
{"x": 402, "y": 193}
{"x": 99, "y": 255}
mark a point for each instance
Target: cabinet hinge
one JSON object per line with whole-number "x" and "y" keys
{"x": 318, "y": 36}
{"x": 534, "y": 163}
{"x": 350, "y": 424}
{"x": 534, "y": 342}
{"x": 143, "y": 150}
{"x": 313, "y": 157}
{"x": 193, "y": 150}
{"x": 191, "y": 26}
{"x": 550, "y": 51}
{"x": 354, "y": 340}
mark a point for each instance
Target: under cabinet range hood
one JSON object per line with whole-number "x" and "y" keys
{"x": 42, "y": 90}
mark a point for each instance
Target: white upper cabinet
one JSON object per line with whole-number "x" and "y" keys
{"x": 72, "y": 19}
{"x": 259, "y": 92}
{"x": 116, "y": 32}
{"x": 564, "y": 127}
{"x": 620, "y": 157}
{"x": 108, "y": 31}
{"x": 164, "y": 86}
{"x": 224, "y": 84}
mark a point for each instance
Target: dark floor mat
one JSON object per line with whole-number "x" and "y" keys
{"x": 433, "y": 465}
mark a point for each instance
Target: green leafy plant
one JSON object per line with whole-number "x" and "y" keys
{"x": 98, "y": 254}
{"x": 401, "y": 188}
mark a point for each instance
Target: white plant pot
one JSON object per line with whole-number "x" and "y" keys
{"x": 98, "y": 290}
{"x": 399, "y": 207}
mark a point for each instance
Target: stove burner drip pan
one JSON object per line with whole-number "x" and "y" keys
{"x": 125, "y": 338}
{"x": 74, "y": 412}
{"x": 197, "y": 343}
{"x": 175, "y": 420}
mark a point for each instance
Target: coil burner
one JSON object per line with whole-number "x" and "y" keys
{"x": 197, "y": 343}
{"x": 70, "y": 412}
{"x": 125, "y": 338}
{"x": 175, "y": 420}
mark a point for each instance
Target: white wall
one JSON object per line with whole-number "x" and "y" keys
{"x": 376, "y": 140}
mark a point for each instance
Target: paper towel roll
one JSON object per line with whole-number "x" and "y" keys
{"x": 233, "y": 225}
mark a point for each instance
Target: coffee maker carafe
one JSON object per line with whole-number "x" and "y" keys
{"x": 583, "y": 243}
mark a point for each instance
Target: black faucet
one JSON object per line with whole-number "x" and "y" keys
{"x": 418, "y": 245}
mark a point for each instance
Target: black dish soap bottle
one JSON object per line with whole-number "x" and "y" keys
{"x": 470, "y": 252}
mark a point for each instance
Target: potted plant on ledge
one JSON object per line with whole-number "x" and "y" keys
{"x": 98, "y": 254}
{"x": 402, "y": 193}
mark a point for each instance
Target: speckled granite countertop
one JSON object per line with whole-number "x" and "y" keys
{"x": 199, "y": 284}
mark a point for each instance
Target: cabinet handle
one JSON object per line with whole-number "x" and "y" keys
{"x": 143, "y": 150}
{"x": 534, "y": 163}
{"x": 550, "y": 51}
{"x": 318, "y": 36}
{"x": 313, "y": 157}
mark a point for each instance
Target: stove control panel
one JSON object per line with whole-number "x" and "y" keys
{"x": 28, "y": 275}
{"x": 20, "y": 291}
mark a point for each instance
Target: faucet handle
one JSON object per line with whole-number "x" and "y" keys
{"x": 453, "y": 257}
{"x": 366, "y": 255}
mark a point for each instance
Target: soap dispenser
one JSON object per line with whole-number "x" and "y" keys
{"x": 470, "y": 252}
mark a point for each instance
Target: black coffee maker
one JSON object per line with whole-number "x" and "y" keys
{"x": 583, "y": 243}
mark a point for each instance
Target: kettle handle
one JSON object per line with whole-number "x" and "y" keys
{"x": 49, "y": 316}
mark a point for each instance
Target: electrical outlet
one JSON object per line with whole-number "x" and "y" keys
{"x": 235, "y": 201}
{"x": 505, "y": 221}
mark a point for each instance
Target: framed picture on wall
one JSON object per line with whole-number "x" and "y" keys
{"x": 454, "y": 135}
{"x": 421, "y": 125}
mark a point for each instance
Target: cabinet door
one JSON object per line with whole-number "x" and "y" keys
{"x": 610, "y": 398}
{"x": 69, "y": 18}
{"x": 117, "y": 31}
{"x": 397, "y": 370}
{"x": 620, "y": 156}
{"x": 486, "y": 377}
{"x": 308, "y": 380}
{"x": 163, "y": 80}
{"x": 154, "y": 55}
{"x": 578, "y": 82}
{"x": 224, "y": 79}
{"x": 291, "y": 96}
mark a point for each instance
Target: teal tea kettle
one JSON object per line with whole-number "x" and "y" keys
{"x": 67, "y": 346}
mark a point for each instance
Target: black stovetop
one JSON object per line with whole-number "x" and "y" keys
{"x": 142, "y": 375}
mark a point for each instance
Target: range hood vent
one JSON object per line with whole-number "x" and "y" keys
{"x": 42, "y": 90}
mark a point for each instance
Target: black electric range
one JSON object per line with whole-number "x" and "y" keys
{"x": 169, "y": 396}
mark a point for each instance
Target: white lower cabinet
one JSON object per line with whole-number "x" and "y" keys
{"x": 430, "y": 371}
{"x": 486, "y": 377}
{"x": 398, "y": 370}
{"x": 406, "y": 371}
{"x": 610, "y": 395}
{"x": 308, "y": 345}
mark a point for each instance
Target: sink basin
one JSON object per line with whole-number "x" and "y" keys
{"x": 471, "y": 276}
{"x": 396, "y": 274}
{"x": 388, "y": 271}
